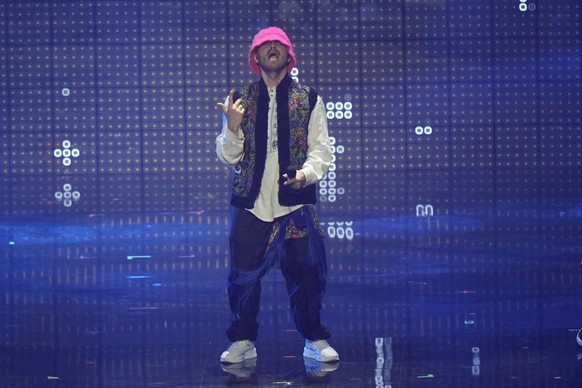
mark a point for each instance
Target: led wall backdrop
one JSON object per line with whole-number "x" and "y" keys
{"x": 110, "y": 106}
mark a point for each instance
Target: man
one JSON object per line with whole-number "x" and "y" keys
{"x": 275, "y": 136}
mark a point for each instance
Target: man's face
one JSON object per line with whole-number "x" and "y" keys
{"x": 272, "y": 56}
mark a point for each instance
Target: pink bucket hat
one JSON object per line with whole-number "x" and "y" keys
{"x": 271, "y": 34}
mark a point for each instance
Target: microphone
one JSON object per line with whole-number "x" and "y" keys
{"x": 291, "y": 172}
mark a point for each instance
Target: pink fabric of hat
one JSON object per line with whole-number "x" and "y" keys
{"x": 271, "y": 34}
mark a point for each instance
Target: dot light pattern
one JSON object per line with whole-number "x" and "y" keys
{"x": 133, "y": 85}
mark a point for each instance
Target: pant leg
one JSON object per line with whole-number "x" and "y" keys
{"x": 305, "y": 286}
{"x": 248, "y": 241}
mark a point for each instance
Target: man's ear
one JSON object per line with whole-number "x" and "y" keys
{"x": 256, "y": 58}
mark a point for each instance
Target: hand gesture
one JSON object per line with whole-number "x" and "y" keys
{"x": 234, "y": 112}
{"x": 296, "y": 183}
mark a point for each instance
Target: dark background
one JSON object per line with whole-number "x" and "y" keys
{"x": 421, "y": 94}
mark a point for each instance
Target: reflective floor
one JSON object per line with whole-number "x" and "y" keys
{"x": 467, "y": 285}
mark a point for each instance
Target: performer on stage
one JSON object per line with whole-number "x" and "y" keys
{"x": 275, "y": 136}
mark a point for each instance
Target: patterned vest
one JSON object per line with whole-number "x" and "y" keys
{"x": 294, "y": 105}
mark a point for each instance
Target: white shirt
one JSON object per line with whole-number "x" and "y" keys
{"x": 229, "y": 148}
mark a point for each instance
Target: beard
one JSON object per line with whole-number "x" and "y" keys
{"x": 270, "y": 67}
{"x": 274, "y": 62}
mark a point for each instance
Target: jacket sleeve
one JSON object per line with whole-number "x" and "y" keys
{"x": 319, "y": 154}
{"x": 229, "y": 146}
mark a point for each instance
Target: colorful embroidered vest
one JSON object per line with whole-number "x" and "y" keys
{"x": 294, "y": 105}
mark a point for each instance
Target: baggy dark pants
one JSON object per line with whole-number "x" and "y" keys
{"x": 249, "y": 239}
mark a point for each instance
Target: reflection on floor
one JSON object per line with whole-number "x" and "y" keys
{"x": 482, "y": 290}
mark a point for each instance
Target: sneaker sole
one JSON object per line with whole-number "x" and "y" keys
{"x": 307, "y": 353}
{"x": 248, "y": 355}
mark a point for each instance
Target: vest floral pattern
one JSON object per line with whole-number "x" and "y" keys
{"x": 248, "y": 172}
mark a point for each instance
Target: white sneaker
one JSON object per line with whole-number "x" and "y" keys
{"x": 238, "y": 352}
{"x": 579, "y": 337}
{"x": 320, "y": 351}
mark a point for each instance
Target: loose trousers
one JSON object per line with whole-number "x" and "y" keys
{"x": 249, "y": 241}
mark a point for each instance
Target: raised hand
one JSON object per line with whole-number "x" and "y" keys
{"x": 234, "y": 112}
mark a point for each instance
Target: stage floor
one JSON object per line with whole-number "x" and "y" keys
{"x": 473, "y": 293}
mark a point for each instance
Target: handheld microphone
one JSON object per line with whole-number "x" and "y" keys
{"x": 291, "y": 172}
